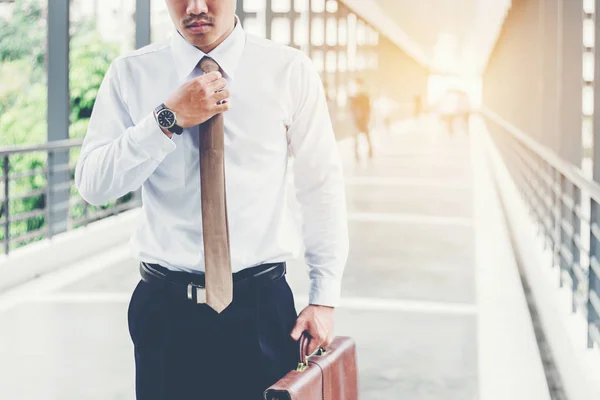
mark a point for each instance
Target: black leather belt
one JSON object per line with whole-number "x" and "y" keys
{"x": 191, "y": 285}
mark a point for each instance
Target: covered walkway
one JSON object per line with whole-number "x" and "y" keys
{"x": 474, "y": 267}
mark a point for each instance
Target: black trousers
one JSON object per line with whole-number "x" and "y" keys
{"x": 187, "y": 351}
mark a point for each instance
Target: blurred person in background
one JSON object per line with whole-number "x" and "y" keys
{"x": 418, "y": 106}
{"x": 455, "y": 106}
{"x": 360, "y": 106}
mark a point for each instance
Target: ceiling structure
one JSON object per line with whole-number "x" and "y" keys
{"x": 448, "y": 36}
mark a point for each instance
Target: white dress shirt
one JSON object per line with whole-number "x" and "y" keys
{"x": 278, "y": 109}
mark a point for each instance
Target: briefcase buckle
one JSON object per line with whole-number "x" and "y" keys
{"x": 200, "y": 293}
{"x": 301, "y": 366}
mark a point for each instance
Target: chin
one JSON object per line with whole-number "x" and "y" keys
{"x": 201, "y": 40}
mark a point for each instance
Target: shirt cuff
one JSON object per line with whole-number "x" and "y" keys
{"x": 325, "y": 292}
{"x": 150, "y": 138}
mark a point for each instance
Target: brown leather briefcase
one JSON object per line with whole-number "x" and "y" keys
{"x": 329, "y": 374}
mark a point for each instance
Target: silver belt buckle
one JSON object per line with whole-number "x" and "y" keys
{"x": 200, "y": 293}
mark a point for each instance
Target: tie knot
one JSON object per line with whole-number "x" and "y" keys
{"x": 207, "y": 65}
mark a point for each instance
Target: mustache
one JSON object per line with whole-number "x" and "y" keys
{"x": 199, "y": 19}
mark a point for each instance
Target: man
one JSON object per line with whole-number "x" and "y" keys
{"x": 153, "y": 111}
{"x": 360, "y": 105}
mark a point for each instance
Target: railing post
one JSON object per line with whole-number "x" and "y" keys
{"x": 269, "y": 18}
{"x": 309, "y": 48}
{"x": 557, "y": 218}
{"x": 239, "y": 11}
{"x": 574, "y": 244}
{"x": 58, "y": 108}
{"x": 592, "y": 315}
{"x": 49, "y": 197}
{"x": 143, "y": 33}
{"x": 6, "y": 209}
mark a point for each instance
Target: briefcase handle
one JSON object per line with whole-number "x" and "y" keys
{"x": 304, "y": 356}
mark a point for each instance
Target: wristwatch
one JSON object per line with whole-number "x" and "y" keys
{"x": 167, "y": 119}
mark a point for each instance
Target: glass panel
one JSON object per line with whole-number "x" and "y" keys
{"x": 255, "y": 27}
{"x": 113, "y": 22}
{"x": 331, "y": 6}
{"x": 588, "y": 100}
{"x": 329, "y": 91}
{"x": 318, "y": 5}
{"x": 331, "y": 31}
{"x": 161, "y": 25}
{"x": 587, "y": 133}
{"x": 249, "y": 5}
{"x": 342, "y": 61}
{"x": 23, "y": 104}
{"x": 361, "y": 61}
{"x": 588, "y": 66}
{"x": 351, "y": 62}
{"x": 351, "y": 42}
{"x": 301, "y": 6}
{"x": 301, "y": 32}
{"x": 98, "y": 35}
{"x": 331, "y": 60}
{"x": 372, "y": 36}
{"x": 342, "y": 32}
{"x": 317, "y": 59}
{"x": 280, "y": 5}
{"x": 318, "y": 33}
{"x": 342, "y": 96}
{"x": 23, "y": 81}
{"x": 280, "y": 30}
{"x": 368, "y": 33}
{"x": 588, "y": 33}
{"x": 360, "y": 33}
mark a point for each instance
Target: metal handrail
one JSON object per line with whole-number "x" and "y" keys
{"x": 55, "y": 211}
{"x": 56, "y": 145}
{"x": 570, "y": 171}
{"x": 554, "y": 191}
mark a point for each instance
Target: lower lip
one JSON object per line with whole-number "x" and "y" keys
{"x": 199, "y": 28}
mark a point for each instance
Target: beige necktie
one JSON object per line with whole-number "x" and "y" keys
{"x": 219, "y": 284}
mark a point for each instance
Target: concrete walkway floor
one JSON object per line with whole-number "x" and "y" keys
{"x": 408, "y": 293}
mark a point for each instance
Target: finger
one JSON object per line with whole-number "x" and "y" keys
{"x": 298, "y": 329}
{"x": 221, "y": 108}
{"x": 313, "y": 345}
{"x": 216, "y": 85}
{"x": 223, "y": 94}
{"x": 210, "y": 77}
{"x": 327, "y": 340}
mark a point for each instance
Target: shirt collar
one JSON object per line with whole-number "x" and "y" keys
{"x": 227, "y": 54}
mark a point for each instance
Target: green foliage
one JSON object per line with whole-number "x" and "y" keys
{"x": 89, "y": 61}
{"x": 23, "y": 36}
{"x": 23, "y": 100}
{"x": 24, "y": 120}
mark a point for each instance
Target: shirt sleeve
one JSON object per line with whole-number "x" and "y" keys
{"x": 320, "y": 187}
{"x": 117, "y": 156}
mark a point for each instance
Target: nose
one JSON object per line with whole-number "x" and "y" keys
{"x": 196, "y": 7}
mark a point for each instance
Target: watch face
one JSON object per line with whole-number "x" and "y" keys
{"x": 166, "y": 119}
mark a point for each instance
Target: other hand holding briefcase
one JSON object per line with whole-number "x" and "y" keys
{"x": 329, "y": 374}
